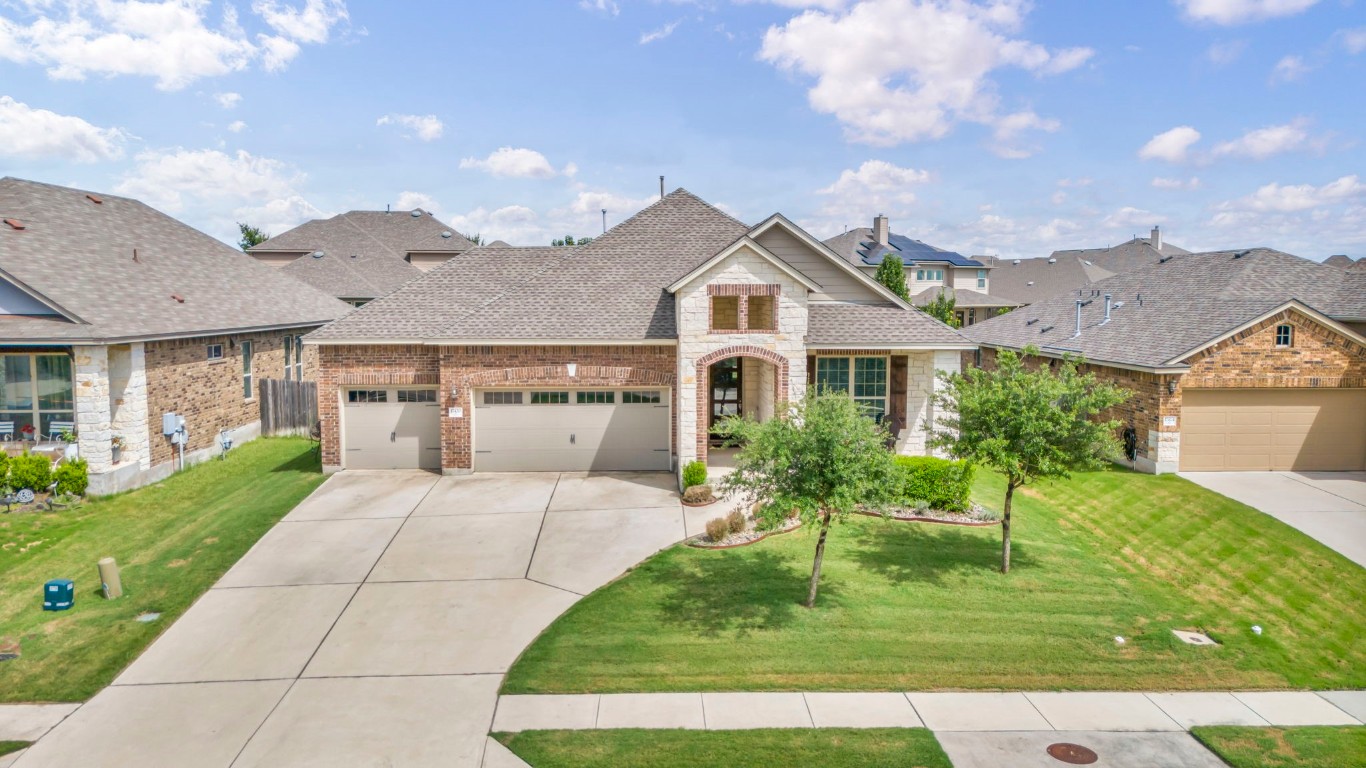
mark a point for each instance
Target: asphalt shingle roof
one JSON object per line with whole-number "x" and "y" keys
{"x": 80, "y": 255}
{"x": 962, "y": 297}
{"x": 1185, "y": 303}
{"x": 859, "y": 247}
{"x": 1033, "y": 279}
{"x": 834, "y": 323}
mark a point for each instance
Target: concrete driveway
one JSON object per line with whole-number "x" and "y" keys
{"x": 373, "y": 625}
{"x": 1329, "y": 506}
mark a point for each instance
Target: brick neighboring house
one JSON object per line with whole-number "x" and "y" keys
{"x": 112, "y": 314}
{"x": 930, "y": 271}
{"x": 362, "y": 255}
{"x": 1025, "y": 281}
{"x": 619, "y": 355}
{"x": 1238, "y": 360}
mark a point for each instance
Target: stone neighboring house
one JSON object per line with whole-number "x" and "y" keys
{"x": 1238, "y": 360}
{"x": 930, "y": 271}
{"x": 620, "y": 354}
{"x": 112, "y": 314}
{"x": 1026, "y": 281}
{"x": 362, "y": 255}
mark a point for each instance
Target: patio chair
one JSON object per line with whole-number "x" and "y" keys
{"x": 316, "y": 435}
{"x": 7, "y": 431}
{"x": 59, "y": 428}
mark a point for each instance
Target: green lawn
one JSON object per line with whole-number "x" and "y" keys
{"x": 172, "y": 541}
{"x": 908, "y": 606}
{"x": 1312, "y": 747}
{"x": 769, "y": 748}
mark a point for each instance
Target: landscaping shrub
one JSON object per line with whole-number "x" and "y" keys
{"x": 944, "y": 484}
{"x": 735, "y": 521}
{"x": 30, "y": 471}
{"x": 4, "y": 467}
{"x": 694, "y": 474}
{"x": 699, "y": 494}
{"x": 717, "y": 528}
{"x": 72, "y": 477}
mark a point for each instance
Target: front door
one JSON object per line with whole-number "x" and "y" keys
{"x": 725, "y": 391}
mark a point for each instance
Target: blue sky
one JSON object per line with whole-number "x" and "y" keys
{"x": 1001, "y": 127}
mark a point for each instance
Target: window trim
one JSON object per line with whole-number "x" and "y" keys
{"x": 982, "y": 279}
{"x": 885, "y": 397}
{"x": 595, "y": 397}
{"x": 353, "y": 396}
{"x": 248, "y": 370}
{"x": 36, "y": 411}
{"x": 209, "y": 350}
{"x": 1289, "y": 330}
{"x": 550, "y": 401}
{"x": 299, "y": 358}
{"x": 289, "y": 344}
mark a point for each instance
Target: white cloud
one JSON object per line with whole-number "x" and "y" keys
{"x": 1354, "y": 40}
{"x": 894, "y": 71}
{"x": 875, "y": 187}
{"x": 1275, "y": 197}
{"x": 1265, "y": 142}
{"x": 237, "y": 126}
{"x": 172, "y": 41}
{"x": 1289, "y": 69}
{"x": 1161, "y": 182}
{"x": 1080, "y": 181}
{"x": 520, "y": 225}
{"x": 1230, "y": 12}
{"x": 28, "y": 132}
{"x": 1008, "y": 131}
{"x": 1172, "y": 146}
{"x": 228, "y": 100}
{"x": 608, "y": 7}
{"x": 1225, "y": 52}
{"x": 517, "y": 163}
{"x": 217, "y": 189}
{"x": 1130, "y": 217}
{"x": 659, "y": 34}
{"x": 424, "y": 127}
{"x": 408, "y": 200}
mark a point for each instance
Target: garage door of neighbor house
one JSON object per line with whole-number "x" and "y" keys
{"x": 395, "y": 428}
{"x": 552, "y": 430}
{"x": 1273, "y": 429}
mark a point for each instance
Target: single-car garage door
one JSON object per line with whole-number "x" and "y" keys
{"x": 553, "y": 430}
{"x": 1273, "y": 429}
{"x": 397, "y": 428}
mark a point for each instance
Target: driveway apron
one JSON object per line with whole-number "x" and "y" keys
{"x": 372, "y": 625}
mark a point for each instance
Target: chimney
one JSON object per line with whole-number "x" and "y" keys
{"x": 1107, "y": 310}
{"x": 881, "y": 233}
{"x": 1157, "y": 238}
{"x": 1080, "y": 304}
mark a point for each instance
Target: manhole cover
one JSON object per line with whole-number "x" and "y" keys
{"x": 146, "y": 618}
{"x": 1193, "y": 638}
{"x": 1072, "y": 754}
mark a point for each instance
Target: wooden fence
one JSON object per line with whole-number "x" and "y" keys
{"x": 288, "y": 407}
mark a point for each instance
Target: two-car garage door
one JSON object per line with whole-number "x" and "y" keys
{"x": 1273, "y": 429}
{"x": 541, "y": 430}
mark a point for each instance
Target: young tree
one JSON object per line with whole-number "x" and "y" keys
{"x": 1026, "y": 424}
{"x": 475, "y": 238}
{"x": 823, "y": 458}
{"x": 251, "y": 235}
{"x": 941, "y": 309}
{"x": 569, "y": 240}
{"x": 893, "y": 275}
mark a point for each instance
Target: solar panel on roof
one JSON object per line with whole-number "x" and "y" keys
{"x": 912, "y": 251}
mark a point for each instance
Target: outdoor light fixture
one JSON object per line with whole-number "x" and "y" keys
{"x": 1171, "y": 386}
{"x": 225, "y": 440}
{"x": 573, "y": 369}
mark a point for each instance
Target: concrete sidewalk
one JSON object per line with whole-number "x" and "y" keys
{"x": 940, "y": 712}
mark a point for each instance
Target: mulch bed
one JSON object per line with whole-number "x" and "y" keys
{"x": 744, "y": 538}
{"x": 975, "y": 517}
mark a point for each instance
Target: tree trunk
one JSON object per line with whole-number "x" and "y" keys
{"x": 1005, "y": 530}
{"x": 820, "y": 555}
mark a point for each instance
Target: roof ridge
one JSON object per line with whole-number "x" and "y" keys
{"x": 346, "y": 217}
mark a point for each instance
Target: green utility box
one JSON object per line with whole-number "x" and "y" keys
{"x": 59, "y": 594}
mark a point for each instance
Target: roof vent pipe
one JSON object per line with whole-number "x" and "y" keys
{"x": 1080, "y": 304}
{"x": 1107, "y": 310}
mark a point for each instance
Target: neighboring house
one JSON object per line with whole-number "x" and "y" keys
{"x": 930, "y": 271}
{"x": 1026, "y": 281}
{"x": 112, "y": 314}
{"x": 1238, "y": 360}
{"x": 619, "y": 355}
{"x": 362, "y": 255}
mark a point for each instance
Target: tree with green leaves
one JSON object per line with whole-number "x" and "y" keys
{"x": 941, "y": 308}
{"x": 568, "y": 240}
{"x": 1027, "y": 422}
{"x": 476, "y": 238}
{"x": 822, "y": 458}
{"x": 892, "y": 274}
{"x": 251, "y": 235}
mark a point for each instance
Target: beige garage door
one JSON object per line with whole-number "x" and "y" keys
{"x": 568, "y": 430}
{"x": 391, "y": 429}
{"x": 1280, "y": 429}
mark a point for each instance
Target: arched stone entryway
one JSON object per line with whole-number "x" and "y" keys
{"x": 701, "y": 374}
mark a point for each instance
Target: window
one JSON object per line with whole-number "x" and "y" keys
{"x": 246, "y": 370}
{"x": 367, "y": 396}
{"x": 725, "y": 313}
{"x": 36, "y": 390}
{"x": 417, "y": 395}
{"x": 982, "y": 279}
{"x": 214, "y": 351}
{"x": 549, "y": 398}
{"x": 502, "y": 398}
{"x": 289, "y": 357}
{"x": 977, "y": 357}
{"x": 761, "y": 314}
{"x": 1285, "y": 335}
{"x": 863, "y": 377}
{"x": 298, "y": 358}
{"x": 932, "y": 275}
{"x": 634, "y": 398}
{"x": 920, "y": 274}
{"x": 595, "y": 398}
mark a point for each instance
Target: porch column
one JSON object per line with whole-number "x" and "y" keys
{"x": 128, "y": 402}
{"x": 91, "y": 374}
{"x": 945, "y": 361}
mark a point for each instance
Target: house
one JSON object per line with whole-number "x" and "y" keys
{"x": 620, "y": 354}
{"x": 930, "y": 271}
{"x": 1238, "y": 360}
{"x": 1026, "y": 281}
{"x": 362, "y": 255}
{"x": 113, "y": 314}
